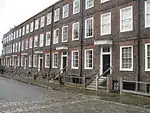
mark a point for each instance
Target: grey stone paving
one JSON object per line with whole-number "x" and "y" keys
{"x": 17, "y": 97}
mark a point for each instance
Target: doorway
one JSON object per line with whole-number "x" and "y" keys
{"x": 25, "y": 64}
{"x": 63, "y": 61}
{"x": 40, "y": 66}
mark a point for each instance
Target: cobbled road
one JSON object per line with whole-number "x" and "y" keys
{"x": 16, "y": 97}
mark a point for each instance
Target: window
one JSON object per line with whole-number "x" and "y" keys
{"x": 103, "y": 1}
{"x": 76, "y": 6}
{"x": 16, "y": 34}
{"x": 147, "y": 13}
{"x": 30, "y": 42}
{"x": 35, "y": 41}
{"x": 47, "y": 60}
{"x": 49, "y": 18}
{"x": 36, "y": 24}
{"x": 41, "y": 40}
{"x": 56, "y": 15}
{"x": 48, "y": 38}
{"x": 89, "y": 4}
{"x": 89, "y": 28}
{"x": 147, "y": 57}
{"x": 75, "y": 31}
{"x": 34, "y": 60}
{"x": 27, "y": 29}
{"x": 30, "y": 60}
{"x": 26, "y": 46}
{"x": 42, "y": 21}
{"x": 56, "y": 36}
{"x": 64, "y": 33}
{"x": 126, "y": 58}
{"x": 31, "y": 26}
{"x": 22, "y": 46}
{"x": 16, "y": 48}
{"x": 75, "y": 59}
{"x": 23, "y": 30}
{"x": 106, "y": 24}
{"x": 88, "y": 59}
{"x": 19, "y": 45}
{"x": 65, "y": 11}
{"x": 22, "y": 61}
{"x": 55, "y": 60}
{"x": 126, "y": 19}
{"x": 18, "y": 60}
{"x": 20, "y": 32}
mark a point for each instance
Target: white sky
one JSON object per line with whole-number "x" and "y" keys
{"x": 14, "y": 12}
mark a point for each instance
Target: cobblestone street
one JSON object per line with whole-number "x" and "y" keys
{"x": 18, "y": 97}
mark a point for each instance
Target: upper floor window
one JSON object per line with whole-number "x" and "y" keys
{"x": 17, "y": 34}
{"x": 89, "y": 4}
{"x": 41, "y": 41}
{"x": 27, "y": 28}
{"x": 126, "y": 19}
{"x": 103, "y": 1}
{"x": 36, "y": 24}
{"x": 147, "y": 57}
{"x": 76, "y": 6}
{"x": 34, "y": 60}
{"x": 64, "y": 33}
{"x": 65, "y": 10}
{"x": 49, "y": 18}
{"x": 89, "y": 28}
{"x": 147, "y": 13}
{"x": 14, "y": 36}
{"x": 31, "y": 26}
{"x": 23, "y": 30}
{"x": 22, "y": 46}
{"x": 42, "y": 21}
{"x": 30, "y": 42}
{"x": 48, "y": 38}
{"x": 106, "y": 23}
{"x": 35, "y": 41}
{"x": 56, "y": 14}
{"x": 19, "y": 45}
{"x": 26, "y": 46}
{"x": 126, "y": 58}
{"x": 88, "y": 59}
{"x": 56, "y": 36}
{"x": 75, "y": 31}
{"x": 20, "y": 32}
{"x": 47, "y": 60}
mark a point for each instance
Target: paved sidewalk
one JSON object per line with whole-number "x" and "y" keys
{"x": 126, "y": 99}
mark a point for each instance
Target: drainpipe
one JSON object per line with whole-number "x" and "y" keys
{"x": 82, "y": 35}
{"x": 20, "y": 47}
{"x": 139, "y": 41}
{"x": 51, "y": 38}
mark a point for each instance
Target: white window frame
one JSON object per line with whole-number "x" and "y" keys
{"x": 46, "y": 55}
{"x": 146, "y": 21}
{"x": 34, "y": 61}
{"x": 102, "y": 23}
{"x": 36, "y": 41}
{"x": 53, "y": 60}
{"x": 36, "y": 24}
{"x": 73, "y": 60}
{"x": 86, "y": 4}
{"x": 56, "y": 14}
{"x": 41, "y": 41}
{"x": 125, "y": 69}
{"x": 31, "y": 26}
{"x": 48, "y": 41}
{"x": 30, "y": 60}
{"x": 54, "y": 38}
{"x": 85, "y": 67}
{"x": 73, "y": 28}
{"x": 26, "y": 44}
{"x": 49, "y": 18}
{"x": 146, "y": 56}
{"x": 42, "y": 22}
{"x": 23, "y": 30}
{"x": 30, "y": 42}
{"x": 66, "y": 11}
{"x": 92, "y": 27}
{"x": 63, "y": 33}
{"x": 103, "y": 1}
{"x": 74, "y": 6}
{"x": 125, "y": 30}
{"x": 27, "y": 28}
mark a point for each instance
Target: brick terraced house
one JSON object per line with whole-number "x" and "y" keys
{"x": 85, "y": 35}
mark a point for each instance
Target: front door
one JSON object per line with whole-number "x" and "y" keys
{"x": 64, "y": 61}
{"x": 40, "y": 67}
{"x": 106, "y": 64}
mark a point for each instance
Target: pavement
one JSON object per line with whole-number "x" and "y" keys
{"x": 19, "y": 97}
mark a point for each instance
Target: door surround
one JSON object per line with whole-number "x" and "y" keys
{"x": 64, "y": 54}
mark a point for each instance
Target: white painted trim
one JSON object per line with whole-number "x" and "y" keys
{"x": 72, "y": 60}
{"x": 85, "y": 59}
{"x": 86, "y": 7}
{"x": 74, "y": 7}
{"x": 24, "y": 54}
{"x": 38, "y": 52}
{"x": 53, "y": 60}
{"x": 121, "y": 30}
{"x": 62, "y": 48}
{"x": 92, "y": 18}
{"x": 103, "y": 42}
{"x": 146, "y": 64}
{"x": 102, "y": 1}
{"x": 73, "y": 30}
{"x": 125, "y": 69}
{"x": 63, "y": 34}
{"x": 46, "y": 60}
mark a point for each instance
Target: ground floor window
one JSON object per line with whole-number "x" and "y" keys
{"x": 47, "y": 60}
{"x": 88, "y": 59}
{"x": 75, "y": 59}
{"x": 18, "y": 60}
{"x": 55, "y": 60}
{"x": 126, "y": 58}
{"x": 30, "y": 60}
{"x": 35, "y": 61}
{"x": 22, "y": 60}
{"x": 147, "y": 57}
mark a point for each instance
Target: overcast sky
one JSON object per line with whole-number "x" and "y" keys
{"x": 14, "y": 12}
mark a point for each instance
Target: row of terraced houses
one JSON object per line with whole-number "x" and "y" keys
{"x": 84, "y": 35}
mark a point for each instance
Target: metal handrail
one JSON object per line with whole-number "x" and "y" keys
{"x": 104, "y": 73}
{"x": 58, "y": 72}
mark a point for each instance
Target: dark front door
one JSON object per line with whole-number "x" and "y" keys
{"x": 64, "y": 63}
{"x": 41, "y": 62}
{"x": 106, "y": 64}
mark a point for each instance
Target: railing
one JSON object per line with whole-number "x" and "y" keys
{"x": 93, "y": 77}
